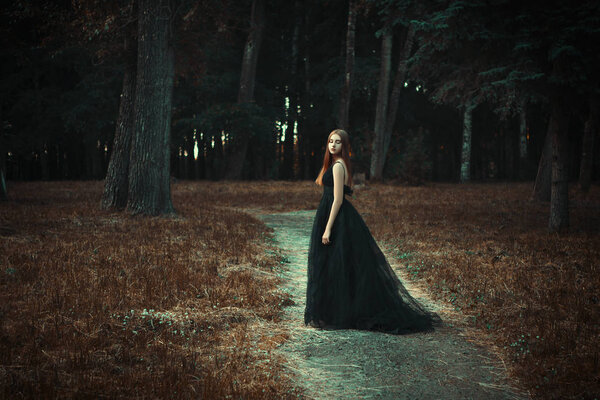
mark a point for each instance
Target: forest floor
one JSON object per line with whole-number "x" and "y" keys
{"x": 362, "y": 364}
{"x": 98, "y": 303}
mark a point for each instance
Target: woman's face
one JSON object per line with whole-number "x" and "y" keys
{"x": 335, "y": 144}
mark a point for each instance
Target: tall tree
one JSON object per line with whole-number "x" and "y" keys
{"x": 590, "y": 130}
{"x": 247, "y": 83}
{"x": 399, "y": 80}
{"x": 377, "y": 157}
{"x": 346, "y": 93}
{"x": 3, "y": 151}
{"x": 292, "y": 97}
{"x": 523, "y": 156}
{"x": 465, "y": 155}
{"x": 149, "y": 170}
{"x": 542, "y": 187}
{"x": 559, "y": 201}
{"x": 116, "y": 184}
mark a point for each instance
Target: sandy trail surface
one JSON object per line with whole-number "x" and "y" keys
{"x": 351, "y": 364}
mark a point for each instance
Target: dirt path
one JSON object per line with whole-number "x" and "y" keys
{"x": 357, "y": 364}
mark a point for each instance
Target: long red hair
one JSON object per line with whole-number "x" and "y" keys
{"x": 328, "y": 159}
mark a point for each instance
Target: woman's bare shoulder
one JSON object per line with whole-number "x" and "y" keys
{"x": 341, "y": 168}
{"x": 340, "y": 162}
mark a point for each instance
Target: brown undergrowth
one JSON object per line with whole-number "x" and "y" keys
{"x": 104, "y": 305}
{"x": 485, "y": 250}
{"x": 88, "y": 305}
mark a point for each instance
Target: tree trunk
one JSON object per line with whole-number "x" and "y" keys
{"x": 288, "y": 144}
{"x": 397, "y": 89}
{"x": 3, "y": 189}
{"x": 3, "y": 153}
{"x": 509, "y": 152}
{"x": 587, "y": 145}
{"x": 116, "y": 183}
{"x": 44, "y": 163}
{"x": 559, "y": 202}
{"x": 465, "y": 155}
{"x": 523, "y": 130}
{"x": 149, "y": 172}
{"x": 346, "y": 93}
{"x": 542, "y": 188}
{"x": 305, "y": 143}
{"x": 523, "y": 161}
{"x": 377, "y": 159}
{"x": 292, "y": 94}
{"x": 96, "y": 159}
{"x": 247, "y": 82}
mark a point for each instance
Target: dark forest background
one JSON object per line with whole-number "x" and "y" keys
{"x": 429, "y": 91}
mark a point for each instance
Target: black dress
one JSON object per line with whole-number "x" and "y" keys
{"x": 350, "y": 283}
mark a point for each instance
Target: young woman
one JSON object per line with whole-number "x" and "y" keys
{"x": 350, "y": 283}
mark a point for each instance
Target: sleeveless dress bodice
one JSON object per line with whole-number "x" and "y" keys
{"x": 328, "y": 183}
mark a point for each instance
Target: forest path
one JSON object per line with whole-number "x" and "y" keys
{"x": 358, "y": 364}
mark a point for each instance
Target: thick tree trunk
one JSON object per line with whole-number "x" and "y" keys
{"x": 397, "y": 89}
{"x": 346, "y": 93}
{"x": 465, "y": 155}
{"x": 542, "y": 188}
{"x": 247, "y": 82}
{"x": 149, "y": 170}
{"x": 377, "y": 159}
{"x": 559, "y": 202}
{"x": 587, "y": 145}
{"x": 116, "y": 183}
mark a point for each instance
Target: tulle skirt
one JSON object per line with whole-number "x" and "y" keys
{"x": 350, "y": 283}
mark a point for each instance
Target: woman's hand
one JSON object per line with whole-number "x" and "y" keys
{"x": 326, "y": 235}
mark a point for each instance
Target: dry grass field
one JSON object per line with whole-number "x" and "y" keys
{"x": 97, "y": 304}
{"x": 102, "y": 304}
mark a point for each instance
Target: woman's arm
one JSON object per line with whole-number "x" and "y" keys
{"x": 338, "y": 197}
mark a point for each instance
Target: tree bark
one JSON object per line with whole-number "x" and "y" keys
{"x": 559, "y": 202}
{"x": 247, "y": 83}
{"x": 149, "y": 172}
{"x": 397, "y": 89}
{"x": 377, "y": 159}
{"x": 465, "y": 156}
{"x": 587, "y": 145}
{"x": 346, "y": 94}
{"x": 116, "y": 183}
{"x": 542, "y": 188}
